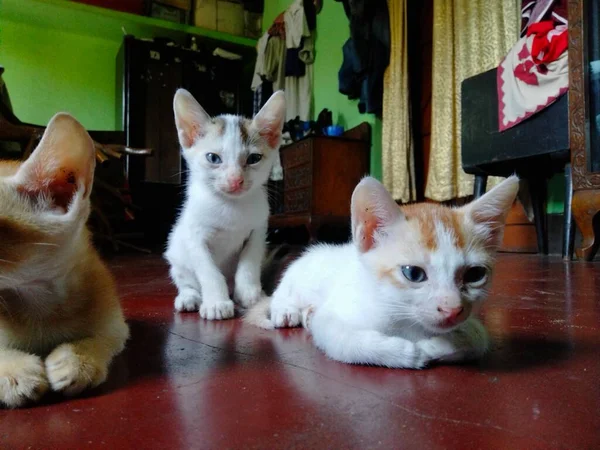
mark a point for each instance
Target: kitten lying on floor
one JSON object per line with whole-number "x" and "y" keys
{"x": 219, "y": 238}
{"x": 60, "y": 319}
{"x": 401, "y": 293}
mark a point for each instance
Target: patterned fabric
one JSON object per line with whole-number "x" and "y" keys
{"x": 397, "y": 140}
{"x": 533, "y": 11}
{"x": 469, "y": 37}
{"x": 534, "y": 74}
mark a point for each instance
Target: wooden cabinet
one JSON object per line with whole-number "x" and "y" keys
{"x": 584, "y": 120}
{"x": 148, "y": 74}
{"x": 320, "y": 174}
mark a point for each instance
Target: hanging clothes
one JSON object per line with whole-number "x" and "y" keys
{"x": 269, "y": 76}
{"x": 298, "y": 89}
{"x": 366, "y": 53}
{"x": 299, "y": 63}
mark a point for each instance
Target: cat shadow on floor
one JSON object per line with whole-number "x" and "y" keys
{"x": 143, "y": 357}
{"x": 520, "y": 353}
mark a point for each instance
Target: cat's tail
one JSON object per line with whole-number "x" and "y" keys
{"x": 272, "y": 267}
{"x": 259, "y": 314}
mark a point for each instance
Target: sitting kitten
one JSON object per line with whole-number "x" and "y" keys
{"x": 400, "y": 294}
{"x": 219, "y": 238}
{"x": 60, "y": 319}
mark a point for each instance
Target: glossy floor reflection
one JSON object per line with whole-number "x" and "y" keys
{"x": 187, "y": 383}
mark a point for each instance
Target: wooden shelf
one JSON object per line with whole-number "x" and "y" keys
{"x": 105, "y": 23}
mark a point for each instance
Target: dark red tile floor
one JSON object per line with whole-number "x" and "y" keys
{"x": 186, "y": 383}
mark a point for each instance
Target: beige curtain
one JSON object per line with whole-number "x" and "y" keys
{"x": 469, "y": 37}
{"x": 397, "y": 141}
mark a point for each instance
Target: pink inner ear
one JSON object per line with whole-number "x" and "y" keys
{"x": 369, "y": 227}
{"x": 59, "y": 186}
{"x": 272, "y": 137}
{"x": 192, "y": 134}
{"x": 370, "y": 224}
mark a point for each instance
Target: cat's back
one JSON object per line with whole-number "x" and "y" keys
{"x": 9, "y": 168}
{"x": 320, "y": 264}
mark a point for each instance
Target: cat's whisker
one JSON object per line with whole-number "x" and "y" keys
{"x": 7, "y": 261}
{"x": 48, "y": 244}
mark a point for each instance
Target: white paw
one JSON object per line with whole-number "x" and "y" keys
{"x": 217, "y": 310}
{"x": 286, "y": 317}
{"x": 446, "y": 348}
{"x": 307, "y": 315}
{"x": 277, "y": 173}
{"x": 248, "y": 294}
{"x": 71, "y": 373}
{"x": 188, "y": 300}
{"x": 22, "y": 380}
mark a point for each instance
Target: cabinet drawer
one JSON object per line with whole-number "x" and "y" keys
{"x": 296, "y": 154}
{"x": 297, "y": 201}
{"x": 298, "y": 177}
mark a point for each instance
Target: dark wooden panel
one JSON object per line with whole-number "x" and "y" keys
{"x": 338, "y": 167}
{"x": 296, "y": 201}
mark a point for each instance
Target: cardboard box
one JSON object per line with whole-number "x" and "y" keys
{"x": 159, "y": 10}
{"x": 230, "y": 17}
{"x": 252, "y": 24}
{"x": 205, "y": 14}
{"x": 186, "y": 5}
{"x": 130, "y": 6}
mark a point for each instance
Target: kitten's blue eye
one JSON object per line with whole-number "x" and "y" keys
{"x": 254, "y": 158}
{"x": 474, "y": 274}
{"x": 213, "y": 158}
{"x": 414, "y": 274}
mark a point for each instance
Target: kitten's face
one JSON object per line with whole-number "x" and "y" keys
{"x": 433, "y": 263}
{"x": 229, "y": 154}
{"x": 44, "y": 202}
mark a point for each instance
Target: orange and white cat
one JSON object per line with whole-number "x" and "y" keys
{"x": 61, "y": 323}
{"x": 401, "y": 294}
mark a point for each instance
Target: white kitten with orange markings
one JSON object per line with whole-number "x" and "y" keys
{"x": 60, "y": 318}
{"x": 402, "y": 292}
{"x": 219, "y": 239}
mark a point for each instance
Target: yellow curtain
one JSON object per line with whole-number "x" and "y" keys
{"x": 469, "y": 37}
{"x": 397, "y": 140}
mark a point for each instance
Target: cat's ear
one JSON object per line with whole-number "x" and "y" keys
{"x": 489, "y": 212}
{"x": 190, "y": 118}
{"x": 373, "y": 210}
{"x": 270, "y": 119}
{"x": 62, "y": 164}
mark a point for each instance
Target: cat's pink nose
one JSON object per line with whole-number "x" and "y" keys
{"x": 451, "y": 314}
{"x": 235, "y": 183}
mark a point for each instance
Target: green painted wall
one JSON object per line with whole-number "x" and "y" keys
{"x": 48, "y": 70}
{"x": 332, "y": 32}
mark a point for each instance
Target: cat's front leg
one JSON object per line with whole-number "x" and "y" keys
{"x": 188, "y": 295}
{"x": 469, "y": 341}
{"x": 343, "y": 342}
{"x": 216, "y": 304}
{"x": 75, "y": 366}
{"x": 22, "y": 378}
{"x": 248, "y": 288}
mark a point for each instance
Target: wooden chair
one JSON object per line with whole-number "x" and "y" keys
{"x": 112, "y": 148}
{"x": 535, "y": 150}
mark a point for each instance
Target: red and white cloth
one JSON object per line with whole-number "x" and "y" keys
{"x": 533, "y": 11}
{"x": 534, "y": 74}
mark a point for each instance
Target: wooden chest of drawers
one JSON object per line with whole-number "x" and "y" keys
{"x": 320, "y": 174}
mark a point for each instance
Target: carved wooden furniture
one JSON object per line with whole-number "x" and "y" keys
{"x": 583, "y": 112}
{"x": 534, "y": 149}
{"x": 320, "y": 174}
{"x": 148, "y": 74}
{"x": 110, "y": 198}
